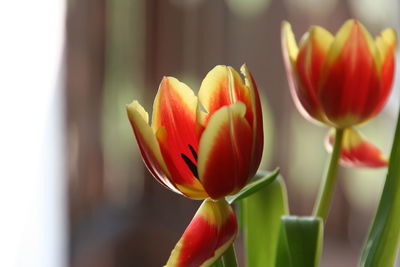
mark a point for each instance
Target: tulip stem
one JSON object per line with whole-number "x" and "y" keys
{"x": 229, "y": 258}
{"x": 322, "y": 206}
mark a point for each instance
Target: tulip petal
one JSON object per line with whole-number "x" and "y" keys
{"x": 305, "y": 102}
{"x": 174, "y": 122}
{"x": 223, "y": 86}
{"x": 386, "y": 44}
{"x": 357, "y": 152}
{"x": 224, "y": 151}
{"x": 258, "y": 129}
{"x": 312, "y": 53}
{"x": 208, "y": 236}
{"x": 148, "y": 145}
{"x": 350, "y": 86}
{"x": 289, "y": 45}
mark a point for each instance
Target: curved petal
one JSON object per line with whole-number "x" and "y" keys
{"x": 185, "y": 175}
{"x": 350, "y": 84}
{"x": 258, "y": 129}
{"x": 312, "y": 53}
{"x": 148, "y": 145}
{"x": 208, "y": 236}
{"x": 304, "y": 102}
{"x": 224, "y": 151}
{"x": 222, "y": 86}
{"x": 289, "y": 45}
{"x": 174, "y": 122}
{"x": 357, "y": 152}
{"x": 386, "y": 44}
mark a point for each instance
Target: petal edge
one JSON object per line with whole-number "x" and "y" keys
{"x": 357, "y": 152}
{"x": 209, "y": 234}
{"x": 148, "y": 145}
{"x": 224, "y": 151}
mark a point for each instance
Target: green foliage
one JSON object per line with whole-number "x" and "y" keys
{"x": 381, "y": 246}
{"x": 261, "y": 179}
{"x": 300, "y": 242}
{"x": 261, "y": 213}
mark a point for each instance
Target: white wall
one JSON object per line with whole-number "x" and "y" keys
{"x": 32, "y": 182}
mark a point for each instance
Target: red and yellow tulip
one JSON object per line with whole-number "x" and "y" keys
{"x": 340, "y": 80}
{"x": 205, "y": 146}
{"x": 209, "y": 234}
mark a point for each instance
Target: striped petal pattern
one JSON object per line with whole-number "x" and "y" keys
{"x": 340, "y": 80}
{"x": 174, "y": 121}
{"x": 350, "y": 86}
{"x": 224, "y": 150}
{"x": 193, "y": 142}
{"x": 208, "y": 236}
{"x": 356, "y": 151}
{"x": 223, "y": 86}
{"x": 312, "y": 53}
{"x": 307, "y": 105}
{"x": 148, "y": 145}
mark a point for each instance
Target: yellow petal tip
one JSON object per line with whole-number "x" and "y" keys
{"x": 135, "y": 108}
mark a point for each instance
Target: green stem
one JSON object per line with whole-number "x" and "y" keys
{"x": 327, "y": 188}
{"x": 229, "y": 258}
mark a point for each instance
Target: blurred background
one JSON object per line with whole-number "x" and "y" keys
{"x": 99, "y": 204}
{"x": 118, "y": 50}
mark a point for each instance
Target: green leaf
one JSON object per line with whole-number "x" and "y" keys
{"x": 261, "y": 221}
{"x": 261, "y": 179}
{"x": 300, "y": 243}
{"x": 382, "y": 243}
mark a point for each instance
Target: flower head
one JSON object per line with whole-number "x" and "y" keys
{"x": 340, "y": 80}
{"x": 205, "y": 146}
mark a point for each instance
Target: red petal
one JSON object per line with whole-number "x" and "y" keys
{"x": 312, "y": 53}
{"x": 208, "y": 236}
{"x": 223, "y": 86}
{"x": 225, "y": 152}
{"x": 148, "y": 145}
{"x": 386, "y": 44}
{"x": 357, "y": 152}
{"x": 303, "y": 97}
{"x": 174, "y": 121}
{"x": 258, "y": 130}
{"x": 350, "y": 87}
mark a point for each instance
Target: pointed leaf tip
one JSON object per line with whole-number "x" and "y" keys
{"x": 259, "y": 181}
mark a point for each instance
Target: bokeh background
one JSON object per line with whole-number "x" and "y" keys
{"x": 118, "y": 50}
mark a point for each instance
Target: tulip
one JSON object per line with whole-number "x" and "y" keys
{"x": 203, "y": 147}
{"x": 340, "y": 81}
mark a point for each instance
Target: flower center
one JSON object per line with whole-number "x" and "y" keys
{"x": 192, "y": 165}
